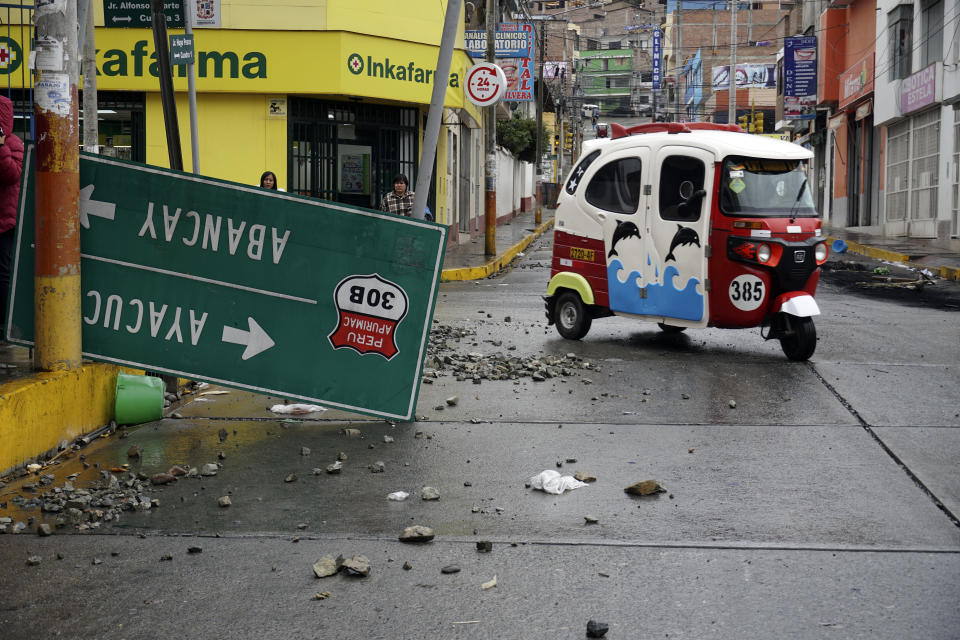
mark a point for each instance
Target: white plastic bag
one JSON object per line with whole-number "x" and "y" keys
{"x": 398, "y": 496}
{"x": 552, "y": 482}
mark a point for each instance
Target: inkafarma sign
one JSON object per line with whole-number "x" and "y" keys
{"x": 406, "y": 71}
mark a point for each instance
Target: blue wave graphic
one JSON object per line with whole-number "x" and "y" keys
{"x": 663, "y": 299}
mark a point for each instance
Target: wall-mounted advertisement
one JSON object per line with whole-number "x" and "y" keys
{"x": 513, "y": 46}
{"x": 800, "y": 78}
{"x": 354, "y": 168}
{"x": 749, "y": 76}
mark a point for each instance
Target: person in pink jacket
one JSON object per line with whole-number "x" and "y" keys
{"x": 11, "y": 167}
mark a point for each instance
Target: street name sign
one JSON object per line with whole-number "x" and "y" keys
{"x": 181, "y": 49}
{"x": 251, "y": 288}
{"x": 136, "y": 14}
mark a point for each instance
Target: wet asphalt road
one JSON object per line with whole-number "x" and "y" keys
{"x": 822, "y": 506}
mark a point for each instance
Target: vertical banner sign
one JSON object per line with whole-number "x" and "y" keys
{"x": 656, "y": 59}
{"x": 251, "y": 288}
{"x": 800, "y": 78}
{"x": 513, "y": 48}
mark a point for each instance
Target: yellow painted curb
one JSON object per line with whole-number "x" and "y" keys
{"x": 944, "y": 271}
{"x": 495, "y": 265}
{"x": 43, "y": 411}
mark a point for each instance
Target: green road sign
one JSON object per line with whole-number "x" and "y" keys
{"x": 251, "y": 288}
{"x": 181, "y": 49}
{"x": 123, "y": 13}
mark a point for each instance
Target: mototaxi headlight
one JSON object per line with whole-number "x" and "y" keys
{"x": 763, "y": 253}
{"x": 820, "y": 252}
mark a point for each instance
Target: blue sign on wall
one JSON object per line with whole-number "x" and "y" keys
{"x": 800, "y": 78}
{"x": 513, "y": 44}
{"x": 656, "y": 59}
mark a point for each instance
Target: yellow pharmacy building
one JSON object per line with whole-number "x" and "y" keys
{"x": 330, "y": 95}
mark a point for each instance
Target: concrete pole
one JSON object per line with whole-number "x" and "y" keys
{"x": 91, "y": 128}
{"x": 192, "y": 93}
{"x": 538, "y": 213}
{"x": 57, "y": 311}
{"x": 732, "y": 113}
{"x": 490, "y": 143}
{"x": 432, "y": 133}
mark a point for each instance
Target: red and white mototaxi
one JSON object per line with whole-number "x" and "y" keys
{"x": 689, "y": 225}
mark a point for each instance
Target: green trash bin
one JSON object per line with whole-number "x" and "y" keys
{"x": 139, "y": 399}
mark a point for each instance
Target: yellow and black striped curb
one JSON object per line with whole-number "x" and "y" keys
{"x": 498, "y": 263}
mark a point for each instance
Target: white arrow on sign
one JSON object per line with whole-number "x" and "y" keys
{"x": 97, "y": 208}
{"x": 256, "y": 339}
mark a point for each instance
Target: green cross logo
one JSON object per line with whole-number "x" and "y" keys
{"x": 355, "y": 64}
{"x": 11, "y": 56}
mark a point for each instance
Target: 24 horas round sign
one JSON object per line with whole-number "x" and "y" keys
{"x": 486, "y": 83}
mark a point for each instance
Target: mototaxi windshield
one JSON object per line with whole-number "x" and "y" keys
{"x": 765, "y": 187}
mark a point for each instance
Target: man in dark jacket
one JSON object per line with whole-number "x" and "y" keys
{"x": 11, "y": 167}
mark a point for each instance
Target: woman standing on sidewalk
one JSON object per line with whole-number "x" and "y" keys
{"x": 11, "y": 166}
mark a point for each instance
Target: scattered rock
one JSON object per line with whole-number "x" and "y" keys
{"x": 166, "y": 558}
{"x": 224, "y": 501}
{"x": 44, "y": 529}
{"x": 358, "y": 565}
{"x": 336, "y": 467}
{"x": 583, "y": 476}
{"x": 194, "y": 549}
{"x": 209, "y": 469}
{"x": 177, "y": 471}
{"x": 304, "y": 451}
{"x": 341, "y": 456}
{"x": 417, "y": 533}
{"x": 645, "y": 488}
{"x": 733, "y": 404}
{"x": 352, "y": 433}
{"x": 162, "y": 478}
{"x": 325, "y": 567}
{"x": 407, "y": 566}
{"x": 33, "y": 561}
{"x": 453, "y": 401}
{"x": 450, "y": 568}
{"x": 96, "y": 561}
{"x": 321, "y": 595}
{"x": 591, "y": 519}
{"x": 377, "y": 467}
{"x": 430, "y": 493}
{"x": 597, "y": 629}
{"x": 484, "y": 546}
{"x": 388, "y": 439}
{"x": 290, "y": 478}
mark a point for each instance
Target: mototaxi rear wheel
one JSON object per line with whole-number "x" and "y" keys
{"x": 571, "y": 315}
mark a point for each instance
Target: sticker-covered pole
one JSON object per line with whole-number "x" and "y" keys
{"x": 57, "y": 314}
{"x": 432, "y": 132}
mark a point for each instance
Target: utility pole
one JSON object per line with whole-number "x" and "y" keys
{"x": 678, "y": 57}
{"x": 91, "y": 129}
{"x": 57, "y": 314}
{"x": 167, "y": 98}
{"x": 435, "y": 115}
{"x": 538, "y": 215}
{"x": 732, "y": 113}
{"x": 490, "y": 142}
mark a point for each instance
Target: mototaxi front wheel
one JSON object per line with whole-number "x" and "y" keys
{"x": 571, "y": 315}
{"x": 800, "y": 343}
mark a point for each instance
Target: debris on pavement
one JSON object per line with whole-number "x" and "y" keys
{"x": 484, "y": 546}
{"x": 321, "y": 595}
{"x": 352, "y": 433}
{"x": 33, "y": 561}
{"x": 297, "y": 409}
{"x": 336, "y": 467}
{"x": 591, "y": 519}
{"x": 551, "y": 481}
{"x": 583, "y": 476}
{"x": 489, "y": 584}
{"x": 645, "y": 488}
{"x": 597, "y": 629}
{"x": 398, "y": 496}
{"x": 358, "y": 565}
{"x": 450, "y": 568}
{"x": 417, "y": 533}
{"x": 326, "y": 566}
{"x": 430, "y": 493}
{"x": 224, "y": 501}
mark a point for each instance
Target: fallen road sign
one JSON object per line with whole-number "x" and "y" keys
{"x": 246, "y": 287}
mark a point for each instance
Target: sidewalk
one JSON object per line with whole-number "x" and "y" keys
{"x": 943, "y": 261}
{"x": 469, "y": 261}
